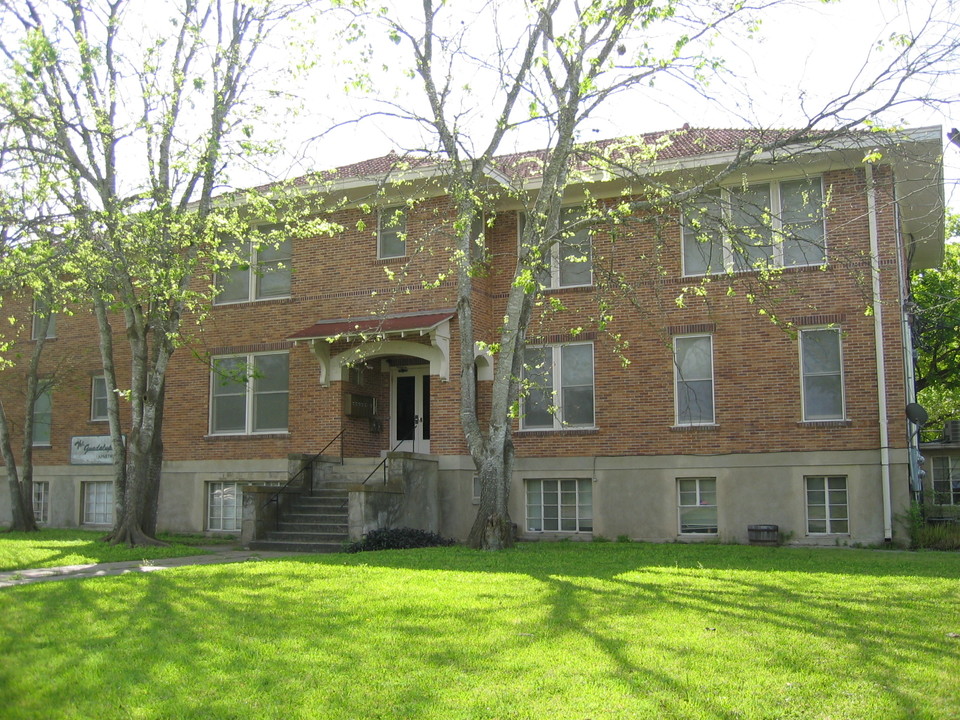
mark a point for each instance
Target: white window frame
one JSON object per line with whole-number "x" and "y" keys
{"x": 805, "y": 332}
{"x": 38, "y": 309}
{"x": 556, "y": 390}
{"x": 44, "y": 390}
{"x": 836, "y": 520}
{"x": 778, "y": 241}
{"x": 390, "y": 226}
{"x": 552, "y": 277}
{"x": 951, "y": 479}
{"x": 94, "y": 381}
{"x": 97, "y": 502}
{"x": 219, "y": 521}
{"x": 250, "y": 395}
{"x": 41, "y": 501}
{"x": 679, "y": 380}
{"x": 578, "y": 514}
{"x": 254, "y": 271}
{"x": 704, "y": 487}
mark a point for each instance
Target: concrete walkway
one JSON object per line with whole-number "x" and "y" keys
{"x": 216, "y": 556}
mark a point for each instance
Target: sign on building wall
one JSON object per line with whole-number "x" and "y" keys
{"x": 91, "y": 450}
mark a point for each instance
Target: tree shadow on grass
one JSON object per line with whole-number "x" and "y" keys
{"x": 598, "y": 631}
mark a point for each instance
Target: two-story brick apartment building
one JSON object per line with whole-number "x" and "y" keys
{"x": 690, "y": 415}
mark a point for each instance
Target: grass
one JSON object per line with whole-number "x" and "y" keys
{"x": 52, "y": 548}
{"x": 562, "y": 630}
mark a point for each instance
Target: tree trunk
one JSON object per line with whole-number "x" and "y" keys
{"x": 493, "y": 528}
{"x": 133, "y": 527}
{"x": 21, "y": 505}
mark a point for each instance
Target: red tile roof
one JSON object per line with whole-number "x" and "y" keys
{"x": 368, "y": 325}
{"x": 685, "y": 142}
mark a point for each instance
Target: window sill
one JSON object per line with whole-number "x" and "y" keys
{"x": 828, "y": 535}
{"x": 754, "y": 271}
{"x": 824, "y": 423}
{"x": 694, "y": 428}
{"x": 388, "y": 260}
{"x": 538, "y": 432}
{"x": 41, "y": 446}
{"x": 569, "y": 289}
{"x": 247, "y": 436}
{"x": 280, "y": 299}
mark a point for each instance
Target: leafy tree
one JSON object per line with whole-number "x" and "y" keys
{"x": 936, "y": 331}
{"x": 551, "y": 65}
{"x": 135, "y": 117}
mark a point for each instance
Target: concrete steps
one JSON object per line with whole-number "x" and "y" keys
{"x": 314, "y": 523}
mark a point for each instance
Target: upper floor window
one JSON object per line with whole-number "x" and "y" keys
{"x": 264, "y": 272}
{"x": 41, "y": 312}
{"x": 693, "y": 374}
{"x": 776, "y": 224}
{"x": 392, "y": 232}
{"x": 821, "y": 365}
{"x": 43, "y": 413}
{"x": 98, "y": 399}
{"x": 569, "y": 261}
{"x": 559, "y": 387}
{"x": 249, "y": 394}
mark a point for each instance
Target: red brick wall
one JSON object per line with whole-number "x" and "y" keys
{"x": 756, "y": 363}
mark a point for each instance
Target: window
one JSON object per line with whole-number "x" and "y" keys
{"x": 98, "y": 399}
{"x": 559, "y": 505}
{"x": 264, "y": 276}
{"x": 821, "y": 366}
{"x": 827, "y": 505}
{"x": 97, "y": 502}
{"x": 41, "y": 310}
{"x": 693, "y": 372}
{"x": 946, "y": 480}
{"x": 224, "y": 506}
{"x": 249, "y": 394}
{"x": 569, "y": 262}
{"x": 41, "y": 501}
{"x": 392, "y": 232}
{"x": 559, "y": 386}
{"x": 697, "y": 506}
{"x": 734, "y": 229}
{"x": 42, "y": 413}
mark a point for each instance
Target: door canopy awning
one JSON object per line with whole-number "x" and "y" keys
{"x": 380, "y": 336}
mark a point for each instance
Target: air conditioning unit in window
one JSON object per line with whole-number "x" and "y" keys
{"x": 951, "y": 431}
{"x": 359, "y": 406}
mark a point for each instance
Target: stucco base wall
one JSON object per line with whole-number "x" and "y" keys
{"x": 636, "y": 497}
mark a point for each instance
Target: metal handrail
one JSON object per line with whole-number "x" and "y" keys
{"x": 309, "y": 464}
{"x": 383, "y": 464}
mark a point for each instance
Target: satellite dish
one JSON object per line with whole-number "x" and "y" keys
{"x": 917, "y": 414}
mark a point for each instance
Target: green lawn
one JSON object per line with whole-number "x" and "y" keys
{"x": 563, "y": 630}
{"x": 52, "y": 548}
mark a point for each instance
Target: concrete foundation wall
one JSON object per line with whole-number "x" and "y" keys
{"x": 634, "y": 497}
{"x": 410, "y": 498}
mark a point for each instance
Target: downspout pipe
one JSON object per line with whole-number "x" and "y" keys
{"x": 881, "y": 362}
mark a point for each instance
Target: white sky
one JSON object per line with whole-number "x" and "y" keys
{"x": 814, "y": 51}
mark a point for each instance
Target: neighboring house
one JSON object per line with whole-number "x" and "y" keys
{"x": 941, "y": 484}
{"x": 679, "y": 420}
